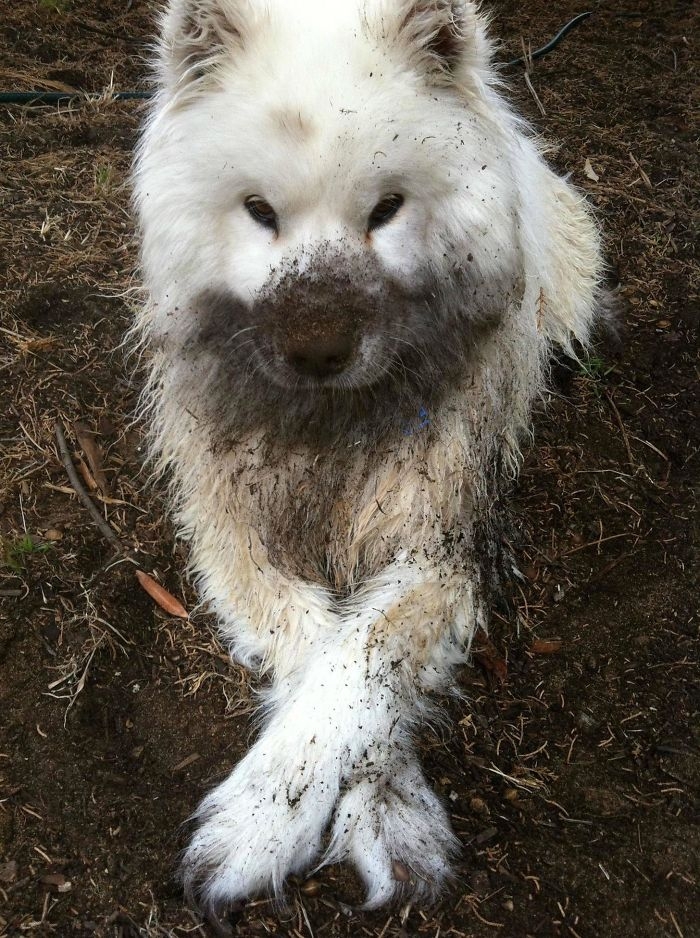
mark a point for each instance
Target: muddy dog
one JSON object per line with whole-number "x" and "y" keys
{"x": 358, "y": 265}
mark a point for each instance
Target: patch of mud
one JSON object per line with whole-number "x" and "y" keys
{"x": 48, "y": 306}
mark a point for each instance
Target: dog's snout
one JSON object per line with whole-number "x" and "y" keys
{"x": 321, "y": 356}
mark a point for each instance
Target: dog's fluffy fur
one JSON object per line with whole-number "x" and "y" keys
{"x": 340, "y": 524}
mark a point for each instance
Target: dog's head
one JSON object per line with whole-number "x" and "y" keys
{"x": 325, "y": 191}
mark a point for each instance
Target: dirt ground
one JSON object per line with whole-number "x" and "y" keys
{"x": 573, "y": 783}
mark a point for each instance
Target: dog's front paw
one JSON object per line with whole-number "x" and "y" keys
{"x": 397, "y": 834}
{"x": 258, "y": 827}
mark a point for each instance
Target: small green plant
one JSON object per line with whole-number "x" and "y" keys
{"x": 104, "y": 179}
{"x": 57, "y": 6}
{"x": 15, "y": 553}
{"x": 593, "y": 367}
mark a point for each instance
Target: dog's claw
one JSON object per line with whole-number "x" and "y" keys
{"x": 218, "y": 925}
{"x": 217, "y": 916}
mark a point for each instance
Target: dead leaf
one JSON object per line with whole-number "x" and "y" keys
{"x": 167, "y": 602}
{"x": 8, "y": 871}
{"x": 88, "y": 477}
{"x": 185, "y": 762}
{"x": 589, "y": 171}
{"x": 42, "y": 344}
{"x": 93, "y": 454}
{"x": 543, "y": 646}
{"x": 56, "y": 881}
{"x": 487, "y": 656}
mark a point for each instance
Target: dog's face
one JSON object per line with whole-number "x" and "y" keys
{"x": 313, "y": 190}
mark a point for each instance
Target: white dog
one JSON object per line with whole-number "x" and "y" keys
{"x": 358, "y": 264}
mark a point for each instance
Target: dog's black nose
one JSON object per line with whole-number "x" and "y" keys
{"x": 321, "y": 356}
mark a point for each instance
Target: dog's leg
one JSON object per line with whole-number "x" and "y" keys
{"x": 342, "y": 719}
{"x": 389, "y": 823}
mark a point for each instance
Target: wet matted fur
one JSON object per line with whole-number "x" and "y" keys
{"x": 358, "y": 266}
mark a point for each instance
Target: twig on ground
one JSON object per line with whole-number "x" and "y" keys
{"x": 105, "y": 528}
{"x": 109, "y": 34}
{"x": 159, "y": 594}
{"x": 618, "y": 419}
{"x": 598, "y": 542}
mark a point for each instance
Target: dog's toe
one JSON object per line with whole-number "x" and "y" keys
{"x": 398, "y": 836}
{"x": 221, "y": 921}
{"x": 254, "y": 830}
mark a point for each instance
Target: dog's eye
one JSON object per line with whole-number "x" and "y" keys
{"x": 263, "y": 213}
{"x": 384, "y": 211}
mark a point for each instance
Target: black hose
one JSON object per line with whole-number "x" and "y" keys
{"x": 552, "y": 44}
{"x": 55, "y": 97}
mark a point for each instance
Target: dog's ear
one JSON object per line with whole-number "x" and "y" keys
{"x": 195, "y": 35}
{"x": 444, "y": 38}
{"x": 561, "y": 252}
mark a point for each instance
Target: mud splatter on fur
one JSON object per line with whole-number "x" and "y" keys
{"x": 410, "y": 347}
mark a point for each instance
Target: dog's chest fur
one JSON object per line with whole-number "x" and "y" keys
{"x": 329, "y": 516}
{"x": 338, "y": 514}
